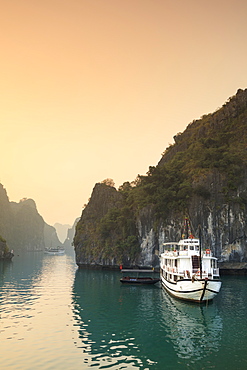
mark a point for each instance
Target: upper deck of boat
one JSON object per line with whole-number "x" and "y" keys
{"x": 185, "y": 248}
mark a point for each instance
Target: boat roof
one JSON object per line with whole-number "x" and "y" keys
{"x": 184, "y": 242}
{"x": 136, "y": 270}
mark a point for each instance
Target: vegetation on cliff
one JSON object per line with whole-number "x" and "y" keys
{"x": 214, "y": 144}
{"x": 106, "y": 229}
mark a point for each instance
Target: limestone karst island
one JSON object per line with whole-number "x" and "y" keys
{"x": 203, "y": 176}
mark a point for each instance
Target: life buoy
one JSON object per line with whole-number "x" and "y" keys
{"x": 207, "y": 251}
{"x": 198, "y": 272}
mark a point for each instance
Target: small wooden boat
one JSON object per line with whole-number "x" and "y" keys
{"x": 139, "y": 280}
{"x": 136, "y": 279}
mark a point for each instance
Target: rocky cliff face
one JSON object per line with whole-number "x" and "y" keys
{"x": 22, "y": 226}
{"x": 223, "y": 226}
{"x": 88, "y": 243}
{"x": 213, "y": 154}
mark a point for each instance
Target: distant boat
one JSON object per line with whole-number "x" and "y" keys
{"x": 55, "y": 250}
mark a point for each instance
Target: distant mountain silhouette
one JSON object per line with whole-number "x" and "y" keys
{"x": 22, "y": 226}
{"x": 62, "y": 230}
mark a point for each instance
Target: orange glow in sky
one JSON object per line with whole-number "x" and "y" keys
{"x": 96, "y": 89}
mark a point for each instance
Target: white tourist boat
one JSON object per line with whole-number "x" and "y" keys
{"x": 55, "y": 250}
{"x": 189, "y": 273}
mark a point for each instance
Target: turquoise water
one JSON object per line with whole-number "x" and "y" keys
{"x": 54, "y": 316}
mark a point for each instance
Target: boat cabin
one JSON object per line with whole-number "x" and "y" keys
{"x": 181, "y": 260}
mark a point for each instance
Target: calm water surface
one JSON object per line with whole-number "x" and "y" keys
{"x": 54, "y": 316}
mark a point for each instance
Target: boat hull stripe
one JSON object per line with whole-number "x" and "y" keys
{"x": 182, "y": 291}
{"x": 188, "y": 291}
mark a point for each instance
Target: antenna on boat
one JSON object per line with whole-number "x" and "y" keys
{"x": 200, "y": 250}
{"x": 187, "y": 229}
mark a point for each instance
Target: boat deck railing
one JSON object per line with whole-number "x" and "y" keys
{"x": 186, "y": 253}
{"x": 209, "y": 273}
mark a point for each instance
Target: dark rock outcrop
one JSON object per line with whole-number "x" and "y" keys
{"x": 5, "y": 253}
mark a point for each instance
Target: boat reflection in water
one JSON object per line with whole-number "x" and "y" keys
{"x": 127, "y": 327}
{"x": 195, "y": 331}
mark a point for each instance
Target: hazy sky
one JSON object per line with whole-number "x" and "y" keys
{"x": 96, "y": 89}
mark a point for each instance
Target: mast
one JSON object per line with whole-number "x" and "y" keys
{"x": 200, "y": 250}
{"x": 187, "y": 229}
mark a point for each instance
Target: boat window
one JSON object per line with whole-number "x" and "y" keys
{"x": 197, "y": 248}
{"x": 191, "y": 247}
{"x": 213, "y": 263}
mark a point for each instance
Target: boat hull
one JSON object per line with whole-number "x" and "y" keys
{"x": 55, "y": 252}
{"x": 199, "y": 290}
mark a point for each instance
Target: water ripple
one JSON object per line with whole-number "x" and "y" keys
{"x": 56, "y": 317}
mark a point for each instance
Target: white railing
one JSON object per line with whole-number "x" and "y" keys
{"x": 186, "y": 252}
{"x": 208, "y": 273}
{"x": 194, "y": 272}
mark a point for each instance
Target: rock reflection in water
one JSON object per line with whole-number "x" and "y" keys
{"x": 107, "y": 319}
